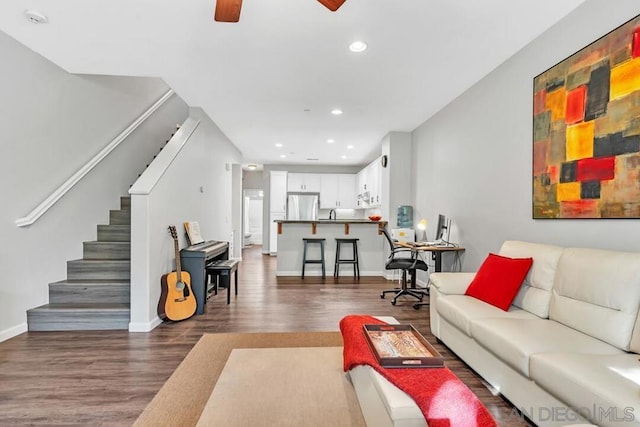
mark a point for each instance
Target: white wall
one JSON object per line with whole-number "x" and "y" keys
{"x": 396, "y": 177}
{"x": 196, "y": 187}
{"x": 252, "y": 180}
{"x": 53, "y": 123}
{"x": 472, "y": 160}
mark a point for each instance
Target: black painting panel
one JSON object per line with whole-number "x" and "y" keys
{"x": 630, "y": 144}
{"x": 568, "y": 171}
{"x": 590, "y": 190}
{"x": 602, "y": 146}
{"x": 598, "y": 92}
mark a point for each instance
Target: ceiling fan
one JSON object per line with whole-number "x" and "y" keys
{"x": 229, "y": 10}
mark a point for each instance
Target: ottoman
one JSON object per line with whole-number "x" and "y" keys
{"x": 382, "y": 403}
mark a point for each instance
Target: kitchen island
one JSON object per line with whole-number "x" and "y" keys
{"x": 290, "y": 246}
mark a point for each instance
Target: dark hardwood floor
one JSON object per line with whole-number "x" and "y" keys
{"x": 108, "y": 377}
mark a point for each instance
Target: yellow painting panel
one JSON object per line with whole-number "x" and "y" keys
{"x": 580, "y": 141}
{"x": 568, "y": 191}
{"x": 556, "y": 102}
{"x": 625, "y": 78}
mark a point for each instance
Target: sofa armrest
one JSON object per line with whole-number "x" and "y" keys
{"x": 451, "y": 283}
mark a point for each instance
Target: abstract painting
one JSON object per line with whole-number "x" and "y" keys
{"x": 586, "y": 131}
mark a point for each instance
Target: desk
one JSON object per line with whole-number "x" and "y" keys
{"x": 436, "y": 252}
{"x": 436, "y": 255}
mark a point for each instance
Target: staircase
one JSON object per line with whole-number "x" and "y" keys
{"x": 96, "y": 292}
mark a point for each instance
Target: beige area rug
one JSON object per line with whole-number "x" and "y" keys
{"x": 283, "y": 387}
{"x": 183, "y": 397}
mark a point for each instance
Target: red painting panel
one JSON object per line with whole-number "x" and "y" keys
{"x": 575, "y": 105}
{"x": 601, "y": 169}
{"x": 540, "y": 153}
{"x": 635, "y": 47}
{"x": 554, "y": 173}
{"x": 539, "y": 101}
{"x": 580, "y": 209}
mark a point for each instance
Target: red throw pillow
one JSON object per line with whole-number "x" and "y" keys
{"x": 498, "y": 280}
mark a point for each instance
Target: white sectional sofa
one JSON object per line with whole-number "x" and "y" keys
{"x": 566, "y": 352}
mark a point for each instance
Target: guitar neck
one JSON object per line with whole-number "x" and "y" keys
{"x": 177, "y": 255}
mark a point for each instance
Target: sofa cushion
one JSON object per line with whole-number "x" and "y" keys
{"x": 498, "y": 280}
{"x": 461, "y": 310}
{"x": 535, "y": 292}
{"x": 451, "y": 283}
{"x": 635, "y": 336}
{"x": 598, "y": 292}
{"x": 515, "y": 340}
{"x": 604, "y": 389}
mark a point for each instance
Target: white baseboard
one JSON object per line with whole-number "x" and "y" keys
{"x": 13, "y": 332}
{"x": 328, "y": 273}
{"x": 144, "y": 326}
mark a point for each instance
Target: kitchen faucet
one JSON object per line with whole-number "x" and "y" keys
{"x": 332, "y": 214}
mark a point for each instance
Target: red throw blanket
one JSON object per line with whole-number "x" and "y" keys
{"x": 443, "y": 399}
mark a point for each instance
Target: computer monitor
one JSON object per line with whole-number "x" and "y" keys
{"x": 444, "y": 228}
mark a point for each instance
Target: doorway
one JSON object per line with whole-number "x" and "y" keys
{"x": 252, "y": 217}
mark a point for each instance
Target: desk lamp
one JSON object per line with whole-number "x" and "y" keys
{"x": 422, "y": 225}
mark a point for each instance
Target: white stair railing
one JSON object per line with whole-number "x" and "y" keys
{"x": 57, "y": 194}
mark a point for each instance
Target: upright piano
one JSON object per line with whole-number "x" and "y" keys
{"x": 194, "y": 259}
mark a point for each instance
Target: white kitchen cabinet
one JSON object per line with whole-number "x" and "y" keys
{"x": 375, "y": 184}
{"x": 369, "y": 185}
{"x": 278, "y": 191}
{"x": 304, "y": 182}
{"x": 338, "y": 191}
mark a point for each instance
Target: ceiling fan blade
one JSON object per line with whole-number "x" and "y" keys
{"x": 228, "y": 10}
{"x": 332, "y": 5}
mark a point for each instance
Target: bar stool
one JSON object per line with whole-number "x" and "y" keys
{"x": 353, "y": 260}
{"x": 306, "y": 261}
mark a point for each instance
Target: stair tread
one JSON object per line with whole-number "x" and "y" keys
{"x": 95, "y": 295}
{"x": 90, "y": 282}
{"x": 93, "y": 261}
{"x": 83, "y": 307}
{"x": 106, "y": 242}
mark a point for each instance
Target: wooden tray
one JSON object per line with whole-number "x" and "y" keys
{"x": 401, "y": 346}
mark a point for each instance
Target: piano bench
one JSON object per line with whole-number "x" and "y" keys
{"x": 221, "y": 270}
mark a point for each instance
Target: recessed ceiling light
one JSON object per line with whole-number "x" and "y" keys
{"x": 330, "y": 141}
{"x": 358, "y": 46}
{"x": 36, "y": 17}
{"x": 343, "y": 157}
{"x": 279, "y": 145}
{"x": 252, "y": 167}
{"x": 336, "y": 111}
{"x": 349, "y": 147}
{"x": 283, "y": 156}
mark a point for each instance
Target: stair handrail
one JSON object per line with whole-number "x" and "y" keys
{"x": 57, "y": 194}
{"x": 154, "y": 172}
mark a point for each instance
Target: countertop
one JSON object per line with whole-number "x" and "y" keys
{"x": 329, "y": 221}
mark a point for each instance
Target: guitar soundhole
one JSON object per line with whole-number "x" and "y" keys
{"x": 180, "y": 286}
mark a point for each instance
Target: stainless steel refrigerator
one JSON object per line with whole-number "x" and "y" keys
{"x": 303, "y": 206}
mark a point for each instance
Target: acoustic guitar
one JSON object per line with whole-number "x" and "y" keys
{"x": 177, "y": 301}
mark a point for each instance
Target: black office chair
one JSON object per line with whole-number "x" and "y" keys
{"x": 406, "y": 265}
